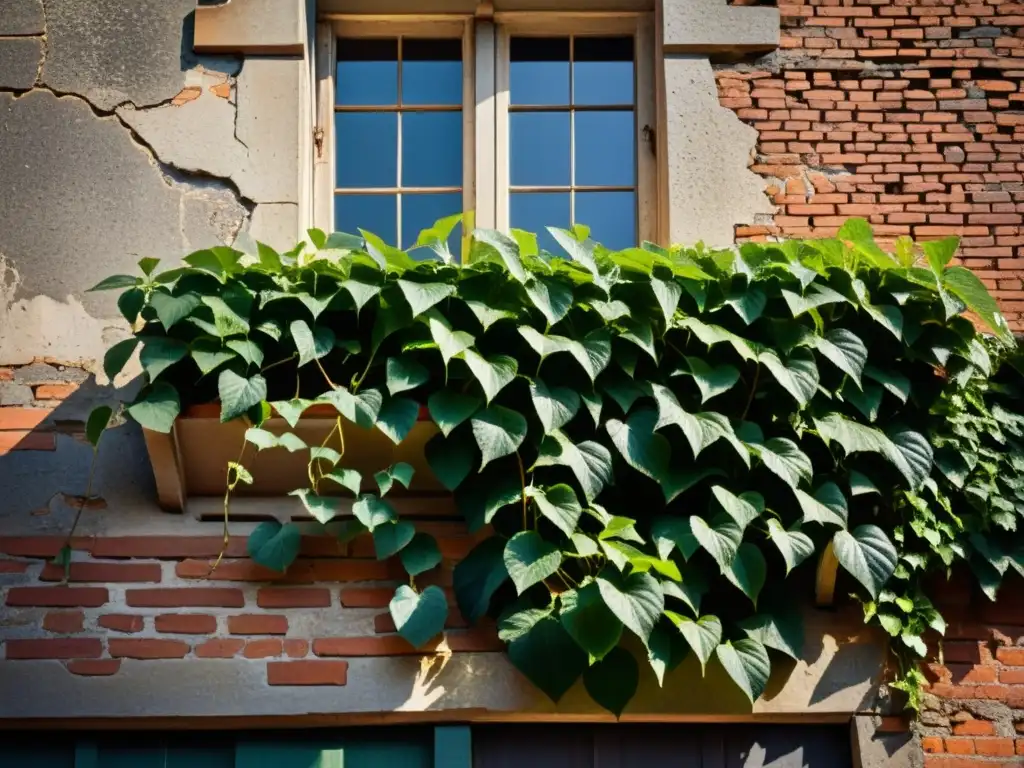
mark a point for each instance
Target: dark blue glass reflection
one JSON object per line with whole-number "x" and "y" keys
{"x": 605, "y": 149}
{"x": 367, "y": 72}
{"x": 432, "y": 149}
{"x": 374, "y": 213}
{"x": 603, "y": 70}
{"x": 611, "y": 217}
{"x": 367, "y": 149}
{"x": 431, "y": 72}
{"x": 536, "y": 211}
{"x": 540, "y": 149}
{"x": 539, "y": 71}
{"x": 419, "y": 212}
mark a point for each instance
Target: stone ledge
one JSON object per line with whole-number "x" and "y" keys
{"x": 712, "y": 26}
{"x": 258, "y": 27}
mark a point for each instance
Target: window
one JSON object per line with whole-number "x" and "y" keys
{"x": 532, "y": 120}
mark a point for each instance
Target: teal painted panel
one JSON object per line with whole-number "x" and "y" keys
{"x": 136, "y": 755}
{"x": 453, "y": 747}
{"x": 211, "y": 756}
{"x": 37, "y": 756}
{"x": 283, "y": 754}
{"x": 390, "y": 753}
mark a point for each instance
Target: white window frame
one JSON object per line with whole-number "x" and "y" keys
{"x": 486, "y": 100}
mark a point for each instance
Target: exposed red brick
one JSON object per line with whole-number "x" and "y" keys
{"x": 243, "y": 570}
{"x": 13, "y": 566}
{"x": 221, "y": 89}
{"x": 298, "y": 597}
{"x": 310, "y": 672}
{"x": 384, "y": 645}
{"x": 186, "y": 624}
{"x": 994, "y": 747}
{"x": 146, "y": 648}
{"x": 27, "y": 441}
{"x": 119, "y": 622}
{"x": 64, "y": 622}
{"x": 974, "y": 728}
{"x": 94, "y": 667}
{"x": 39, "y": 546}
{"x": 263, "y": 649}
{"x": 6, "y": 374}
{"x": 258, "y": 624}
{"x": 166, "y": 547}
{"x": 296, "y": 649}
{"x": 1013, "y": 657}
{"x": 932, "y": 744}
{"x": 104, "y": 573}
{"x": 189, "y": 597}
{"x": 187, "y": 94}
{"x": 55, "y": 391}
{"x": 384, "y": 623}
{"x": 22, "y": 418}
{"x": 54, "y": 648}
{"x": 350, "y": 570}
{"x": 959, "y": 746}
{"x": 58, "y": 597}
{"x": 219, "y": 648}
{"x": 370, "y": 597}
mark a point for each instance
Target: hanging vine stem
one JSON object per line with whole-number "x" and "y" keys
{"x": 232, "y": 483}
{"x": 522, "y": 482}
{"x": 65, "y": 551}
{"x": 753, "y": 390}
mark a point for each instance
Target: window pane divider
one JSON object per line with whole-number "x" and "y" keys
{"x": 396, "y": 190}
{"x": 526, "y": 188}
{"x": 571, "y": 108}
{"x": 398, "y": 108}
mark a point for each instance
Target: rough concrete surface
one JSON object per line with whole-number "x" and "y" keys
{"x": 711, "y": 187}
{"x": 255, "y": 26}
{"x": 111, "y": 52}
{"x": 21, "y": 17}
{"x": 275, "y": 224}
{"x": 875, "y": 749}
{"x": 712, "y": 25}
{"x": 19, "y": 62}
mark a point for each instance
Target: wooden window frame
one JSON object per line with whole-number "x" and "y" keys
{"x": 486, "y": 156}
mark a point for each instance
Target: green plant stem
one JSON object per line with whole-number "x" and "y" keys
{"x": 522, "y": 482}
{"x": 327, "y": 378}
{"x": 357, "y": 383}
{"x": 78, "y": 513}
{"x": 227, "y": 510}
{"x": 753, "y": 390}
{"x": 266, "y": 368}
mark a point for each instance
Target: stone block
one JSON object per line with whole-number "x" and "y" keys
{"x": 22, "y": 17}
{"x": 275, "y": 27}
{"x": 710, "y": 26}
{"x": 19, "y": 62}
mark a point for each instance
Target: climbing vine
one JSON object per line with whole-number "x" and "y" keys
{"x": 655, "y": 439}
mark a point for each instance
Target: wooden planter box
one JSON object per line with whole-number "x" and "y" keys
{"x": 191, "y": 461}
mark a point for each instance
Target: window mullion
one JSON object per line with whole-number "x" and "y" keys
{"x": 323, "y": 137}
{"x": 487, "y": 118}
{"x": 501, "y": 128}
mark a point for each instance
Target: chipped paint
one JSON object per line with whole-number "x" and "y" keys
{"x": 187, "y": 94}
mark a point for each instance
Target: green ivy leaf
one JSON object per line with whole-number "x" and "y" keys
{"x": 419, "y": 617}
{"x": 748, "y": 571}
{"x": 966, "y": 286}
{"x": 667, "y": 293}
{"x": 478, "y": 576}
{"x": 589, "y": 621}
{"x": 130, "y": 303}
{"x": 711, "y": 381}
{"x": 210, "y": 353}
{"x": 701, "y": 430}
{"x": 322, "y": 508}
{"x": 247, "y": 350}
{"x": 311, "y": 344}
{"x": 449, "y": 342}
{"x": 450, "y": 459}
{"x": 613, "y": 681}
{"x": 400, "y": 473}
{"x": 238, "y": 394}
{"x": 361, "y": 409}
{"x": 843, "y": 349}
{"x": 552, "y": 297}
{"x": 559, "y": 505}
{"x": 642, "y": 448}
{"x": 420, "y": 555}
{"x": 499, "y": 432}
{"x": 827, "y": 506}
{"x": 515, "y": 623}
{"x": 372, "y": 512}
{"x": 404, "y": 374}
{"x": 291, "y": 410}
{"x": 669, "y": 533}
{"x": 423, "y": 296}
{"x": 391, "y": 538}
{"x": 702, "y": 635}
{"x": 529, "y": 559}
{"x": 493, "y": 373}
{"x": 591, "y": 462}
{"x": 893, "y": 381}
{"x": 115, "y": 283}
{"x": 507, "y": 249}
{"x": 274, "y": 546}
{"x": 159, "y": 353}
{"x": 226, "y": 320}
{"x": 548, "y": 657}
{"x": 361, "y": 292}
{"x": 794, "y": 545}
{"x": 739, "y": 508}
{"x": 815, "y": 296}
{"x": 448, "y": 409}
{"x": 96, "y": 424}
{"x": 782, "y": 630}
{"x": 397, "y": 418}
{"x": 747, "y": 663}
{"x": 636, "y": 600}
{"x": 156, "y": 407}
{"x": 714, "y": 334}
{"x": 171, "y": 310}
{"x": 691, "y": 590}
{"x": 263, "y": 440}
{"x": 782, "y": 457}
{"x": 555, "y": 406}
{"x": 118, "y": 356}
{"x": 346, "y": 478}
{"x": 798, "y": 375}
{"x": 748, "y": 302}
{"x": 866, "y": 554}
{"x": 642, "y": 335}
{"x": 594, "y": 352}
{"x": 720, "y": 538}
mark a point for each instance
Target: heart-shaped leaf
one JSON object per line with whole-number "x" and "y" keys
{"x": 739, "y": 508}
{"x": 323, "y": 508}
{"x": 748, "y": 571}
{"x": 238, "y": 394}
{"x": 499, "y": 432}
{"x": 449, "y": 409}
{"x": 397, "y": 418}
{"x": 372, "y": 511}
{"x": 291, "y": 410}
{"x": 423, "y": 296}
{"x": 478, "y": 576}
{"x": 552, "y": 297}
{"x": 843, "y": 349}
{"x": 747, "y": 663}
{"x": 420, "y": 555}
{"x": 171, "y": 310}
{"x": 391, "y": 538}
{"x": 311, "y": 344}
{"x": 118, "y": 356}
{"x": 346, "y": 478}
{"x": 798, "y": 375}
{"x": 711, "y": 381}
{"x": 589, "y": 621}
{"x": 591, "y": 462}
{"x": 529, "y": 559}
{"x": 548, "y": 657}
{"x": 493, "y": 373}
{"x": 404, "y": 374}
{"x": 450, "y": 459}
{"x": 273, "y": 545}
{"x": 721, "y": 538}
{"x": 559, "y": 505}
{"x": 642, "y": 448}
{"x": 669, "y": 533}
{"x": 555, "y": 406}
{"x": 159, "y": 353}
{"x": 449, "y": 342}
{"x": 398, "y": 473}
{"x": 612, "y": 681}
{"x": 361, "y": 409}
{"x": 419, "y": 617}
{"x": 781, "y": 629}
{"x": 794, "y": 545}
{"x": 866, "y": 554}
{"x": 156, "y": 407}
{"x": 635, "y": 599}
{"x": 701, "y": 430}
{"x": 703, "y": 635}
{"x": 827, "y": 506}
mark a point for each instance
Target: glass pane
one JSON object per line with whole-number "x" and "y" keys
{"x": 611, "y": 217}
{"x": 605, "y": 149}
{"x": 432, "y": 149}
{"x": 367, "y": 149}
{"x": 431, "y": 71}
{"x": 539, "y": 70}
{"x": 367, "y": 72}
{"x": 603, "y": 70}
{"x": 536, "y": 211}
{"x": 419, "y": 212}
{"x": 374, "y": 213}
{"x": 540, "y": 148}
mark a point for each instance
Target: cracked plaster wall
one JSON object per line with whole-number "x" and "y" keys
{"x": 119, "y": 142}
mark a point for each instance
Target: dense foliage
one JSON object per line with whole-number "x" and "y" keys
{"x": 658, "y": 438}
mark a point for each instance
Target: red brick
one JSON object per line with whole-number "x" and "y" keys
{"x": 1011, "y": 676}
{"x": 974, "y": 728}
{"x": 383, "y": 623}
{"x": 27, "y": 441}
{"x": 932, "y": 744}
{"x": 22, "y": 418}
{"x": 55, "y": 648}
{"x": 146, "y": 648}
{"x": 58, "y": 597}
{"x": 959, "y": 746}
{"x": 119, "y": 622}
{"x": 186, "y": 624}
{"x": 104, "y": 573}
{"x": 350, "y": 570}
{"x": 64, "y": 622}
{"x": 299, "y": 597}
{"x": 242, "y": 570}
{"x": 370, "y": 597}
{"x": 188, "y": 597}
{"x": 94, "y": 667}
{"x": 6, "y": 374}
{"x": 38, "y": 546}
{"x": 166, "y": 547}
{"x": 258, "y": 624}
{"x": 263, "y": 649}
{"x": 310, "y": 672}
{"x": 55, "y": 391}
{"x": 13, "y": 566}
{"x": 994, "y": 747}
{"x": 1013, "y": 657}
{"x": 385, "y": 645}
{"x": 296, "y": 649}
{"x": 220, "y": 648}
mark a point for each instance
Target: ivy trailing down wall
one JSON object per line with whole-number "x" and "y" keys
{"x": 658, "y": 438}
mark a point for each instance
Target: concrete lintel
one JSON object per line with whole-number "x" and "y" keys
{"x": 264, "y": 27}
{"x": 713, "y": 26}
{"x": 875, "y": 748}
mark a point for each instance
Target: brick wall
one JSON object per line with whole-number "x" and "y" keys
{"x": 29, "y": 396}
{"x": 907, "y": 112}
{"x": 154, "y": 597}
